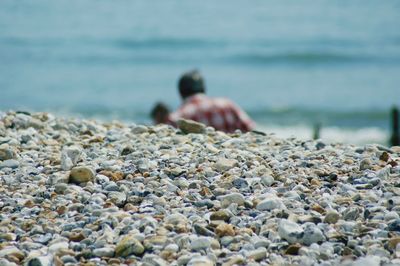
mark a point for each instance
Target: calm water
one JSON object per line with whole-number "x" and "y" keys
{"x": 289, "y": 63}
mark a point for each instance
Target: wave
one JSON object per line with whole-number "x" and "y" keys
{"x": 126, "y": 43}
{"x": 309, "y": 57}
{"x": 345, "y": 118}
{"x": 131, "y": 43}
{"x": 359, "y": 136}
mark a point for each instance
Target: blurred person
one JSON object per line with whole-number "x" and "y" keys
{"x": 220, "y": 113}
{"x": 160, "y": 113}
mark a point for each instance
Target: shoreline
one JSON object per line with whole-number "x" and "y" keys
{"x": 80, "y": 191}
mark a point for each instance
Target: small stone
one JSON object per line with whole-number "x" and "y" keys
{"x": 6, "y": 153}
{"x": 201, "y": 230}
{"x": 331, "y": 217}
{"x": 175, "y": 219}
{"x": 224, "y": 229}
{"x": 76, "y": 237}
{"x": 60, "y": 188}
{"x": 11, "y": 163}
{"x": 312, "y": 234}
{"x": 394, "y": 225}
{"x": 70, "y": 157}
{"x": 172, "y": 248}
{"x": 139, "y": 129}
{"x": 293, "y": 249}
{"x": 118, "y": 198}
{"x": 224, "y": 164}
{"x": 190, "y": 126}
{"x": 258, "y": 254}
{"x": 200, "y": 261}
{"x": 40, "y": 261}
{"x": 104, "y": 252}
{"x": 232, "y": 198}
{"x": 384, "y": 156}
{"x": 12, "y": 251}
{"x": 127, "y": 246}
{"x": 235, "y": 260}
{"x": 290, "y": 231}
{"x": 56, "y": 247}
{"x": 200, "y": 243}
{"x": 220, "y": 215}
{"x": 367, "y": 261}
{"x": 351, "y": 214}
{"x": 270, "y": 203}
{"x": 365, "y": 164}
{"x": 391, "y": 216}
{"x": 7, "y": 237}
{"x": 127, "y": 150}
{"x": 393, "y": 242}
{"x": 81, "y": 174}
{"x": 267, "y": 181}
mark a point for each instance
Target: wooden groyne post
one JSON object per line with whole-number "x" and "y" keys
{"x": 395, "y": 138}
{"x": 316, "y": 130}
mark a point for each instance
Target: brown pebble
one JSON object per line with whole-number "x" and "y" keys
{"x": 29, "y": 204}
{"x": 316, "y": 207}
{"x": 384, "y": 156}
{"x": 293, "y": 249}
{"x": 225, "y": 230}
{"x": 58, "y": 261}
{"x": 114, "y": 176}
{"x": 220, "y": 215}
{"x": 315, "y": 182}
{"x": 61, "y": 210}
{"x": 130, "y": 207}
{"x": 393, "y": 242}
{"x": 76, "y": 237}
{"x": 114, "y": 261}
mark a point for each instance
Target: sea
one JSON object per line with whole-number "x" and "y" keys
{"x": 291, "y": 64}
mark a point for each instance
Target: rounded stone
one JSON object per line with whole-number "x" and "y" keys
{"x": 127, "y": 246}
{"x": 81, "y": 174}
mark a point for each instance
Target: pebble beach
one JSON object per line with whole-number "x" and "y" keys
{"x": 85, "y": 192}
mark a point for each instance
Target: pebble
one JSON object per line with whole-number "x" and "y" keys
{"x": 312, "y": 234}
{"x": 11, "y": 163}
{"x": 190, "y": 126}
{"x": 200, "y": 261}
{"x": 81, "y": 174}
{"x": 331, "y": 217}
{"x": 290, "y": 231}
{"x": 232, "y": 198}
{"x": 258, "y": 254}
{"x": 224, "y": 164}
{"x": 155, "y": 195}
{"x": 104, "y": 252}
{"x": 200, "y": 243}
{"x": 127, "y": 246}
{"x": 6, "y": 153}
{"x": 224, "y": 229}
{"x": 270, "y": 203}
{"x": 221, "y": 215}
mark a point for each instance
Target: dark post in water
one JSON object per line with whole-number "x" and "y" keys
{"x": 395, "y": 138}
{"x": 316, "y": 131}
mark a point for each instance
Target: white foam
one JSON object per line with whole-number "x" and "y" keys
{"x": 367, "y": 135}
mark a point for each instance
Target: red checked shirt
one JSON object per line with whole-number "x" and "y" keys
{"x": 220, "y": 113}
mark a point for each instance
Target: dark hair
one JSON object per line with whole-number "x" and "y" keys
{"x": 191, "y": 83}
{"x": 159, "y": 109}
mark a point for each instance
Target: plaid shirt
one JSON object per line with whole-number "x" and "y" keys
{"x": 222, "y": 114}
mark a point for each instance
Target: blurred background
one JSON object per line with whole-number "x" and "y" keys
{"x": 290, "y": 64}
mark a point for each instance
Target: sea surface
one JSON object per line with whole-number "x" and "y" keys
{"x": 289, "y": 63}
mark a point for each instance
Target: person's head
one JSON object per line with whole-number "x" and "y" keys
{"x": 191, "y": 83}
{"x": 160, "y": 113}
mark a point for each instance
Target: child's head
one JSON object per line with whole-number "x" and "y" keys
{"x": 160, "y": 113}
